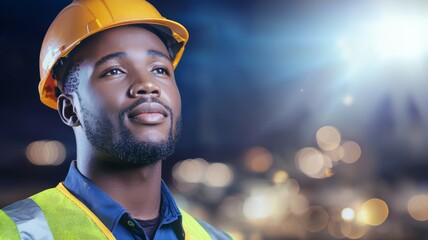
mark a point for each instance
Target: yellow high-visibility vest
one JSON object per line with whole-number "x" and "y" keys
{"x": 57, "y": 214}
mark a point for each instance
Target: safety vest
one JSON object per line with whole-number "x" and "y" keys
{"x": 37, "y": 218}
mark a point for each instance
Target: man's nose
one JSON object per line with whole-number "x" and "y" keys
{"x": 144, "y": 88}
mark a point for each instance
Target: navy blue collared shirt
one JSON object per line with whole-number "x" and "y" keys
{"x": 115, "y": 217}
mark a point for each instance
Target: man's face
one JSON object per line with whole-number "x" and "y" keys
{"x": 129, "y": 104}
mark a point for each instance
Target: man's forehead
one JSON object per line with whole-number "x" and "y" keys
{"x": 122, "y": 55}
{"x": 119, "y": 39}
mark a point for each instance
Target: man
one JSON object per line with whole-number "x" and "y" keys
{"x": 107, "y": 66}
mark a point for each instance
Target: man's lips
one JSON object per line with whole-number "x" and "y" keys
{"x": 149, "y": 113}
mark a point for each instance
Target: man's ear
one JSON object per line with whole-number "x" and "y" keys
{"x": 67, "y": 110}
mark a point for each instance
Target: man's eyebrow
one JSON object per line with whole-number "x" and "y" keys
{"x": 110, "y": 57}
{"x": 155, "y": 53}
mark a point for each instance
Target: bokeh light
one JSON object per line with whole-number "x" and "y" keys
{"x": 418, "y": 207}
{"x": 352, "y": 152}
{"x": 231, "y": 207}
{"x": 373, "y": 212}
{"x": 46, "y": 152}
{"x": 266, "y": 202}
{"x": 313, "y": 163}
{"x": 335, "y": 230}
{"x": 258, "y": 159}
{"x": 310, "y": 161}
{"x": 328, "y": 138}
{"x": 279, "y": 177}
{"x": 190, "y": 171}
{"x": 334, "y": 225}
{"x": 299, "y": 204}
{"x": 336, "y": 154}
{"x": 293, "y": 186}
{"x": 218, "y": 175}
{"x": 258, "y": 207}
{"x": 353, "y": 230}
{"x": 317, "y": 218}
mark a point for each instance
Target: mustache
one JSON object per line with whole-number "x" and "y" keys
{"x": 142, "y": 100}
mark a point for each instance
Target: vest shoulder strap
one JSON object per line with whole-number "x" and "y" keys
{"x": 29, "y": 219}
{"x": 52, "y": 214}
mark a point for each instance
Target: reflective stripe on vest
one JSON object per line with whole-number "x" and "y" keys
{"x": 29, "y": 220}
{"x": 29, "y": 217}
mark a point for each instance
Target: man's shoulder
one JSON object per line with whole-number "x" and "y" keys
{"x": 50, "y": 213}
{"x": 31, "y": 205}
{"x": 24, "y": 203}
{"x": 24, "y": 211}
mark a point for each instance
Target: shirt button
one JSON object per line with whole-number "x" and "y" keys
{"x": 130, "y": 223}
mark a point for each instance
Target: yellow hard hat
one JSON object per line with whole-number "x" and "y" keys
{"x": 83, "y": 18}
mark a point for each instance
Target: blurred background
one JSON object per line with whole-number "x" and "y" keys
{"x": 302, "y": 119}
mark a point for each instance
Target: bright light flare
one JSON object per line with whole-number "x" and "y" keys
{"x": 348, "y": 100}
{"x": 391, "y": 37}
{"x": 348, "y": 214}
{"x": 400, "y": 37}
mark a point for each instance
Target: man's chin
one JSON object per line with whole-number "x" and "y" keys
{"x": 149, "y": 133}
{"x": 151, "y": 139}
{"x": 133, "y": 152}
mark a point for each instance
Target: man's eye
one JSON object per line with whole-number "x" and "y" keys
{"x": 160, "y": 70}
{"x": 113, "y": 72}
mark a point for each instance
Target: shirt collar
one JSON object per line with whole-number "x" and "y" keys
{"x": 105, "y": 208}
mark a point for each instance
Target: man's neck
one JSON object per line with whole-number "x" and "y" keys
{"x": 138, "y": 190}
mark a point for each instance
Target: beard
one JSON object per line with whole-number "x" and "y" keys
{"x": 127, "y": 150}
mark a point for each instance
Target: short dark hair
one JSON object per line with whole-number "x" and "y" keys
{"x": 65, "y": 71}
